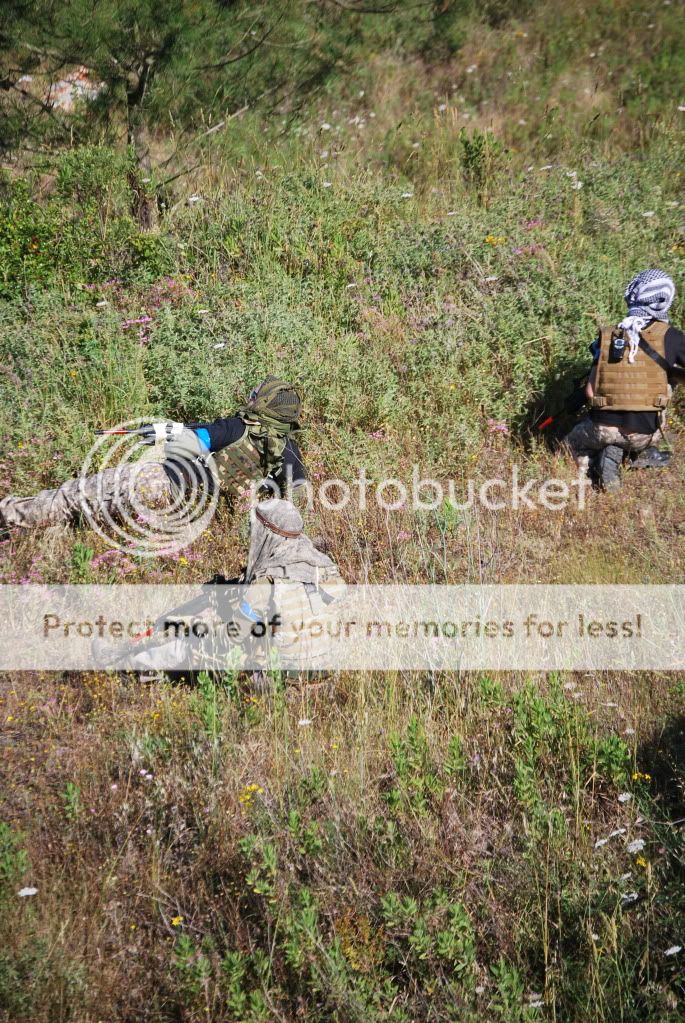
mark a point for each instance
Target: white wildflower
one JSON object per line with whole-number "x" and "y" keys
{"x": 673, "y": 950}
{"x": 625, "y": 797}
{"x": 636, "y": 846}
{"x": 192, "y": 199}
{"x": 480, "y": 989}
{"x": 681, "y": 108}
{"x": 471, "y": 68}
{"x": 25, "y": 893}
{"x": 328, "y": 184}
{"x": 221, "y": 344}
{"x": 629, "y": 731}
{"x": 489, "y": 280}
{"x": 325, "y": 126}
{"x": 577, "y": 184}
{"x": 442, "y": 107}
{"x": 631, "y": 897}
{"x": 102, "y": 304}
{"x": 648, "y": 213}
{"x": 603, "y": 841}
{"x": 548, "y": 166}
{"x": 304, "y": 722}
{"x": 407, "y": 195}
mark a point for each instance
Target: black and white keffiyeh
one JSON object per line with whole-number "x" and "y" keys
{"x": 649, "y": 297}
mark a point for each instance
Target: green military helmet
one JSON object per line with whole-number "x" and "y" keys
{"x": 277, "y": 400}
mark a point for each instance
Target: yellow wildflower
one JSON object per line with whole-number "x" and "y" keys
{"x": 494, "y": 239}
{"x": 641, "y": 862}
{"x": 639, "y": 776}
{"x": 248, "y": 792}
{"x": 176, "y": 921}
{"x": 182, "y": 560}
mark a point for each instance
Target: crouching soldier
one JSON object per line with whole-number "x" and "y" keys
{"x": 628, "y": 388}
{"x": 254, "y": 445}
{"x": 279, "y": 617}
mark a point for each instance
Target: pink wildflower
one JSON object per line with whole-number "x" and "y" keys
{"x": 132, "y": 323}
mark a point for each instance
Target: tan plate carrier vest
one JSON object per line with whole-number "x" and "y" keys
{"x": 240, "y": 464}
{"x": 641, "y": 386}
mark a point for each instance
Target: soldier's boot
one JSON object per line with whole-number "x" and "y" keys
{"x": 607, "y": 468}
{"x": 650, "y": 458}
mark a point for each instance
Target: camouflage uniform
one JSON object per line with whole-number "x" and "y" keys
{"x": 127, "y": 490}
{"x": 131, "y": 489}
{"x": 283, "y": 613}
{"x": 588, "y": 437}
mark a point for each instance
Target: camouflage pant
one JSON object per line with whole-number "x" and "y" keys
{"x": 587, "y": 438}
{"x": 127, "y": 490}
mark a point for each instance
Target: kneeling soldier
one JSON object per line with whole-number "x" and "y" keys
{"x": 629, "y": 387}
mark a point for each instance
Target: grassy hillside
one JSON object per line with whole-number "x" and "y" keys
{"x": 426, "y": 246}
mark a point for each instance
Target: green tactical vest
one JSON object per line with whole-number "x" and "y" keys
{"x": 258, "y": 453}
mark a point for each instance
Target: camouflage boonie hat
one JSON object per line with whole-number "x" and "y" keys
{"x": 276, "y": 399}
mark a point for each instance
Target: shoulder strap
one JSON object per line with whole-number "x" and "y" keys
{"x": 654, "y": 355}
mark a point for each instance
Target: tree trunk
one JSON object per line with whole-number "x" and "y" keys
{"x": 144, "y": 204}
